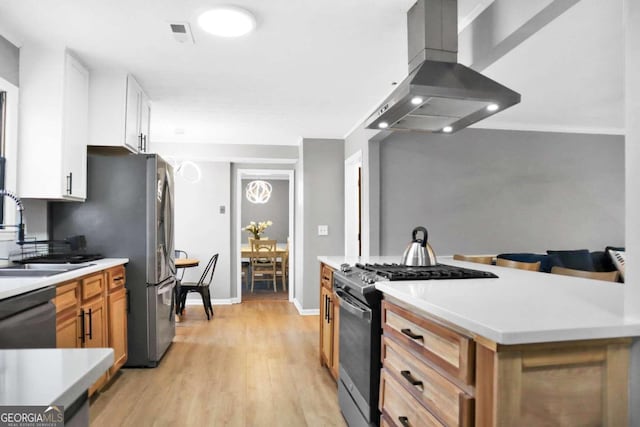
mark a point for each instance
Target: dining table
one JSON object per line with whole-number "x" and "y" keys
{"x": 245, "y": 250}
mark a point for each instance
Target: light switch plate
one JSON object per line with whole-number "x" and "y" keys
{"x": 323, "y": 230}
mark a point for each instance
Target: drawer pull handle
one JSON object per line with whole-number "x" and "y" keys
{"x": 404, "y": 421}
{"x": 414, "y": 382}
{"x": 411, "y": 335}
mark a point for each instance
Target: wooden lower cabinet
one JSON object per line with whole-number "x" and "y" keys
{"x": 117, "y": 315}
{"x": 68, "y": 332}
{"x": 437, "y": 375}
{"x": 329, "y": 322}
{"x": 91, "y": 312}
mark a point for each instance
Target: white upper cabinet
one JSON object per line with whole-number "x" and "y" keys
{"x": 119, "y": 112}
{"x": 53, "y": 129}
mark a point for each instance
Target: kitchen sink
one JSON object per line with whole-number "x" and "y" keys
{"x": 38, "y": 270}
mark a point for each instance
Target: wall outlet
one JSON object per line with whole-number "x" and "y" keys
{"x": 323, "y": 230}
{"x": 223, "y": 209}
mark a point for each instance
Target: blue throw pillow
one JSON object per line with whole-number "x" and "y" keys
{"x": 579, "y": 259}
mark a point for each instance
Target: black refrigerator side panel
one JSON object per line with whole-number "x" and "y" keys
{"x": 114, "y": 220}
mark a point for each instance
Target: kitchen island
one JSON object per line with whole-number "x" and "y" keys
{"x": 526, "y": 348}
{"x": 59, "y": 377}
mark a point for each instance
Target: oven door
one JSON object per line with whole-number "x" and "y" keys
{"x": 356, "y": 362}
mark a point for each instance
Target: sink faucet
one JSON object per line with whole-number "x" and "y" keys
{"x": 20, "y": 226}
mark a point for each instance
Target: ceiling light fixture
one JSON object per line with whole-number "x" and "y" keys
{"x": 227, "y": 21}
{"x": 258, "y": 191}
{"x": 417, "y": 100}
{"x": 383, "y": 125}
{"x": 492, "y": 107}
{"x": 447, "y": 129}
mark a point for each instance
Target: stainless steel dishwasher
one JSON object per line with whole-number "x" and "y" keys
{"x": 28, "y": 320}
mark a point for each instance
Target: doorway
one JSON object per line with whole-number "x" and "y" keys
{"x": 278, "y": 208}
{"x": 353, "y": 205}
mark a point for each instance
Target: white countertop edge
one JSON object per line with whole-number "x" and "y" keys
{"x": 50, "y": 376}
{"x": 515, "y": 337}
{"x": 104, "y": 360}
{"x": 12, "y": 286}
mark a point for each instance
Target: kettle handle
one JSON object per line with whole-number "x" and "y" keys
{"x": 415, "y": 231}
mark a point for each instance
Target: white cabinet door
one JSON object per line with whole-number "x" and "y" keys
{"x": 75, "y": 129}
{"x": 54, "y": 99}
{"x": 133, "y": 138}
{"x": 145, "y": 117}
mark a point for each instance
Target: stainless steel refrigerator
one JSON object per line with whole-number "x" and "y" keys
{"x": 129, "y": 213}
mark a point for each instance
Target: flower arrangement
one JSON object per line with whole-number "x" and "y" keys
{"x": 257, "y": 228}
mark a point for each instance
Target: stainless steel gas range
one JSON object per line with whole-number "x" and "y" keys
{"x": 361, "y": 328}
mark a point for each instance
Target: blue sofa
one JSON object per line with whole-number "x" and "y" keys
{"x": 580, "y": 259}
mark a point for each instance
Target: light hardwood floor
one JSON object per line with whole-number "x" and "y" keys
{"x": 253, "y": 364}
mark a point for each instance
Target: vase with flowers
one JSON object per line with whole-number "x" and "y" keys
{"x": 257, "y": 228}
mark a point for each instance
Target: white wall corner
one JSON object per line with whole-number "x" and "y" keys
{"x": 305, "y": 312}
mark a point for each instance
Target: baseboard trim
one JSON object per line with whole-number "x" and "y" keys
{"x": 305, "y": 312}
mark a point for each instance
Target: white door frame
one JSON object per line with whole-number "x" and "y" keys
{"x": 265, "y": 174}
{"x": 351, "y": 166}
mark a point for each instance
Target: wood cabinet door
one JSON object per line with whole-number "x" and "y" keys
{"x": 326, "y": 331}
{"x": 117, "y": 311}
{"x": 68, "y": 332}
{"x": 94, "y": 324}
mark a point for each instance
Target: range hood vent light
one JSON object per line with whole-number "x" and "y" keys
{"x": 439, "y": 95}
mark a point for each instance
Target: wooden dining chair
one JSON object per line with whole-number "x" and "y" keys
{"x": 283, "y": 268}
{"x": 201, "y": 286}
{"x": 607, "y": 276}
{"x": 531, "y": 266}
{"x": 263, "y": 261}
{"x": 481, "y": 259}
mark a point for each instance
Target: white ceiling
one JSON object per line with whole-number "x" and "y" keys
{"x": 315, "y": 69}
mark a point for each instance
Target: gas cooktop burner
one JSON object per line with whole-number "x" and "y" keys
{"x": 395, "y": 272}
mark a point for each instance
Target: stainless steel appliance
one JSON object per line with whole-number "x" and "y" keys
{"x": 129, "y": 213}
{"x": 28, "y": 320}
{"x": 360, "y": 330}
{"x": 419, "y": 251}
{"x": 439, "y": 94}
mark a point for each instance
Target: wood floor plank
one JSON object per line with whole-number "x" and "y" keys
{"x": 253, "y": 364}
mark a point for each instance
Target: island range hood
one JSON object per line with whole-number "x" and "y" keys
{"x": 439, "y": 95}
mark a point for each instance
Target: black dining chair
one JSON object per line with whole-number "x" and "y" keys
{"x": 202, "y": 287}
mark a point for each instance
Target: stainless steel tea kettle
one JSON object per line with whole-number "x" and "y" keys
{"x": 419, "y": 252}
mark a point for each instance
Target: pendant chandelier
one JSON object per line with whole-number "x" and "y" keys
{"x": 258, "y": 191}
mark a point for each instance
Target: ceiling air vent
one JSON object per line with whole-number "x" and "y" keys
{"x": 181, "y": 32}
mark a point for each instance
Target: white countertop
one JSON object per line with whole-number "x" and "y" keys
{"x": 50, "y": 376}
{"x": 11, "y": 286}
{"x": 517, "y": 308}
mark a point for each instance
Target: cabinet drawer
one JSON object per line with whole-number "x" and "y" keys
{"x": 439, "y": 395}
{"x": 92, "y": 286}
{"x": 66, "y": 296}
{"x": 450, "y": 351}
{"x": 399, "y": 406}
{"x": 116, "y": 277}
{"x": 384, "y": 422}
{"x": 326, "y": 276}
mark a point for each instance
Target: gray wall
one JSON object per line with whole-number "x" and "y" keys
{"x": 323, "y": 181}
{"x": 491, "y": 191}
{"x": 9, "y": 60}
{"x": 276, "y": 210}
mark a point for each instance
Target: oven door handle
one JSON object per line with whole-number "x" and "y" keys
{"x": 350, "y": 307}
